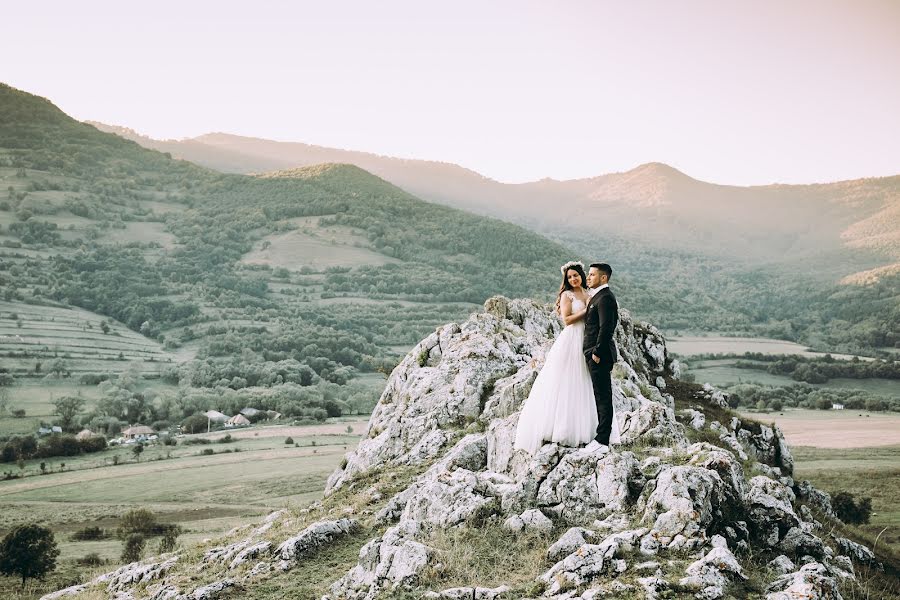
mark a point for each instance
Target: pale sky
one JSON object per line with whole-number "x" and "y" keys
{"x": 744, "y": 93}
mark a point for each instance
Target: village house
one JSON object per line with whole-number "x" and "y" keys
{"x": 137, "y": 431}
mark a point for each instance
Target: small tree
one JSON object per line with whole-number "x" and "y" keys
{"x": 68, "y": 408}
{"x": 138, "y": 520}
{"x": 169, "y": 538}
{"x": 134, "y": 547}
{"x": 137, "y": 449}
{"x": 28, "y": 551}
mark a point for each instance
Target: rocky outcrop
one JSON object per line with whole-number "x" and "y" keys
{"x": 656, "y": 516}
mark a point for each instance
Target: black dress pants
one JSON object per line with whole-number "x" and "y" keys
{"x": 602, "y": 380}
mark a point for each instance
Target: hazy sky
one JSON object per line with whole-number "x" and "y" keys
{"x": 733, "y": 92}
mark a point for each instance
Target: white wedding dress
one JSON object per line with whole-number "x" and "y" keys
{"x": 561, "y": 406}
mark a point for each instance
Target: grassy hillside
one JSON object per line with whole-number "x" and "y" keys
{"x": 817, "y": 264}
{"x": 275, "y": 291}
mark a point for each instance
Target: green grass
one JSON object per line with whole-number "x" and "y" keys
{"x": 865, "y": 472}
{"x": 722, "y": 373}
{"x": 36, "y": 397}
{"x": 206, "y": 495}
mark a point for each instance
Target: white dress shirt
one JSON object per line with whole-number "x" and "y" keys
{"x": 592, "y": 291}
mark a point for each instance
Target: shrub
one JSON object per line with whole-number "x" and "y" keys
{"x": 169, "y": 538}
{"x": 59, "y": 445}
{"x": 169, "y": 441}
{"x": 849, "y": 510}
{"x": 195, "y": 424}
{"x": 197, "y": 441}
{"x": 161, "y": 425}
{"x": 90, "y": 560}
{"x": 207, "y": 452}
{"x": 134, "y": 547}
{"x": 94, "y": 443}
{"x": 18, "y": 413}
{"x": 138, "y": 520}
{"x": 88, "y": 534}
{"x": 288, "y": 440}
{"x": 225, "y": 440}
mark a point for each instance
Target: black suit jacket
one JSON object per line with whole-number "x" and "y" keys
{"x": 599, "y": 327}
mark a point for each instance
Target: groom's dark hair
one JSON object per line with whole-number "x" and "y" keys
{"x": 603, "y": 268}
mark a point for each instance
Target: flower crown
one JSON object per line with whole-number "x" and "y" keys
{"x": 570, "y": 264}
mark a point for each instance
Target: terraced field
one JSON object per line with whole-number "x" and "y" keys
{"x": 32, "y": 336}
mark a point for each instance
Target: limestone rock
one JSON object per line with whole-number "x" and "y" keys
{"x": 311, "y": 539}
{"x": 782, "y": 565}
{"x": 770, "y": 509}
{"x": 684, "y": 501}
{"x": 449, "y": 498}
{"x": 811, "y": 582}
{"x": 69, "y": 591}
{"x": 213, "y": 591}
{"x": 569, "y": 542}
{"x": 530, "y": 520}
{"x": 134, "y": 573}
{"x": 250, "y": 552}
{"x": 814, "y": 497}
{"x": 468, "y": 593}
{"x": 798, "y": 542}
{"x": 588, "y": 561}
{"x": 589, "y": 485}
{"x": 857, "y": 552}
{"x": 712, "y": 573}
{"x": 390, "y": 561}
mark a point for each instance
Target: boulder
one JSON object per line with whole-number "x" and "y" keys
{"x": 311, "y": 539}
{"x": 387, "y": 562}
{"x": 811, "y": 582}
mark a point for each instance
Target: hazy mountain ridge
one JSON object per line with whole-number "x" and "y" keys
{"x": 653, "y": 203}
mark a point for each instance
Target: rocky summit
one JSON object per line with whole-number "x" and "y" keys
{"x": 435, "y": 503}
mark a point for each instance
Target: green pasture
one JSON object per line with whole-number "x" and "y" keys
{"x": 723, "y": 373}
{"x": 690, "y": 345}
{"x": 320, "y": 250}
{"x": 865, "y": 472}
{"x": 32, "y": 336}
{"x": 205, "y": 495}
{"x": 36, "y": 397}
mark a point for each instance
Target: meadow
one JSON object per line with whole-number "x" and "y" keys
{"x": 690, "y": 345}
{"x": 206, "y": 494}
{"x": 853, "y": 451}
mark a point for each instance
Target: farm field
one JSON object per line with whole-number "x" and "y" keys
{"x": 31, "y": 336}
{"x": 864, "y": 472}
{"x": 692, "y": 345}
{"x": 205, "y": 494}
{"x": 852, "y": 451}
{"x": 35, "y": 397}
{"x": 723, "y": 373}
{"x": 315, "y": 247}
{"x": 834, "y": 428}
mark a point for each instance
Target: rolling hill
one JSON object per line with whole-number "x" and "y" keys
{"x": 854, "y": 225}
{"x": 291, "y": 290}
{"x": 817, "y": 264}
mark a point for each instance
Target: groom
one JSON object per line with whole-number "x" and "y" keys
{"x": 599, "y": 348}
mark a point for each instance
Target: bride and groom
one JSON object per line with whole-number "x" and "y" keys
{"x": 571, "y": 400}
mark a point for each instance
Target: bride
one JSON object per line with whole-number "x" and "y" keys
{"x": 561, "y": 406}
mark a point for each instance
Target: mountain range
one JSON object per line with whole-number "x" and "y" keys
{"x": 848, "y": 227}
